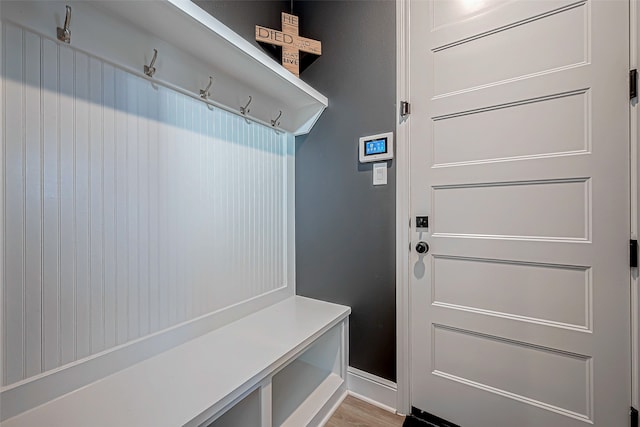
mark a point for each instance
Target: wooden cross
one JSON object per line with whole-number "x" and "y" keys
{"x": 292, "y": 44}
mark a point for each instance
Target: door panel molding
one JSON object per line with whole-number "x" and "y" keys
{"x": 453, "y": 172}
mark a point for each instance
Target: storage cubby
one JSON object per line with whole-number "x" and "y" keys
{"x": 243, "y": 414}
{"x": 298, "y": 391}
{"x": 301, "y": 388}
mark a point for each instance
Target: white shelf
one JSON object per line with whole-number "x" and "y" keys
{"x": 192, "y": 46}
{"x": 188, "y": 27}
{"x": 299, "y": 390}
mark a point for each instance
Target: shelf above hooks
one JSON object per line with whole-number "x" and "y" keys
{"x": 124, "y": 33}
{"x": 186, "y": 26}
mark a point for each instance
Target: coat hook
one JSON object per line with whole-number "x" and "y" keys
{"x": 204, "y": 93}
{"x": 64, "y": 34}
{"x": 276, "y": 122}
{"x": 244, "y": 110}
{"x": 150, "y": 70}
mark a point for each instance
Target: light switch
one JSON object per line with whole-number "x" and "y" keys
{"x": 380, "y": 173}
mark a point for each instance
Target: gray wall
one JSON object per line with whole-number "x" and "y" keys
{"x": 242, "y": 16}
{"x": 345, "y": 227}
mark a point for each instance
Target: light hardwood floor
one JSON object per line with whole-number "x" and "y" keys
{"x": 356, "y": 413}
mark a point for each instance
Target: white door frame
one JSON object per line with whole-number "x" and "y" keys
{"x": 403, "y": 208}
{"x": 403, "y": 205}
{"x": 634, "y": 55}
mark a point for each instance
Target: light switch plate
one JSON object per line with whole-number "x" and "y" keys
{"x": 380, "y": 173}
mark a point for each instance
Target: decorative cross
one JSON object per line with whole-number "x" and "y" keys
{"x": 292, "y": 44}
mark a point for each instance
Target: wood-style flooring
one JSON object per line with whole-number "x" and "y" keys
{"x": 356, "y": 413}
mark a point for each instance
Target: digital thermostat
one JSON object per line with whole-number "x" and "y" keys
{"x": 375, "y": 148}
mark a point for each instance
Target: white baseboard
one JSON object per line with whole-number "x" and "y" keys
{"x": 372, "y": 389}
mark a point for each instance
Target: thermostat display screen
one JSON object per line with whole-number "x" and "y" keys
{"x": 375, "y": 146}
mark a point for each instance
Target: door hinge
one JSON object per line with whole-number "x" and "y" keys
{"x": 633, "y": 84}
{"x": 405, "y": 109}
{"x": 633, "y": 253}
{"x": 634, "y": 417}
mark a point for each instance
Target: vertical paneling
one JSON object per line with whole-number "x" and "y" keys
{"x": 131, "y": 203}
{"x": 171, "y": 241}
{"x": 66, "y": 179}
{"x": 251, "y": 183}
{"x": 33, "y": 206}
{"x": 96, "y": 210}
{"x": 164, "y": 248}
{"x": 81, "y": 204}
{"x": 109, "y": 205}
{"x": 153, "y": 213}
{"x": 14, "y": 216}
{"x": 128, "y": 208}
{"x": 142, "y": 178}
{"x": 121, "y": 226}
{"x": 51, "y": 206}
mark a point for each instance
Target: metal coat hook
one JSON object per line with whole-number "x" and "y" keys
{"x": 150, "y": 70}
{"x": 244, "y": 110}
{"x": 64, "y": 34}
{"x": 276, "y": 122}
{"x": 204, "y": 93}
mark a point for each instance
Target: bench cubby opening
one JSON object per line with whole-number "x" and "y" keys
{"x": 311, "y": 378}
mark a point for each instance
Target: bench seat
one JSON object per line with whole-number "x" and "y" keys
{"x": 196, "y": 382}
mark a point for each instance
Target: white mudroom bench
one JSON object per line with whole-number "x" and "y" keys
{"x": 284, "y": 365}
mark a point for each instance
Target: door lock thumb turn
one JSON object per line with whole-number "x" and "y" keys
{"x": 422, "y": 248}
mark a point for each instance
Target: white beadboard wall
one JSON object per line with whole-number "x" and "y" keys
{"x": 128, "y": 208}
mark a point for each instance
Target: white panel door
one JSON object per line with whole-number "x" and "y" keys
{"x": 520, "y": 156}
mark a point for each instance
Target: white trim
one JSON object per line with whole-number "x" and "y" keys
{"x": 290, "y": 217}
{"x": 372, "y": 389}
{"x": 634, "y": 118}
{"x": 266, "y": 403}
{"x": 403, "y": 403}
{"x": 2, "y": 241}
{"x": 333, "y": 409}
